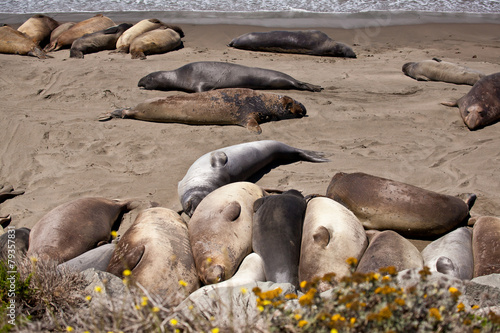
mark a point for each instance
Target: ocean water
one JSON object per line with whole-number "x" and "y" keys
{"x": 331, "y": 13}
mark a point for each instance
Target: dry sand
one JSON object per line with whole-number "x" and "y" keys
{"x": 370, "y": 118}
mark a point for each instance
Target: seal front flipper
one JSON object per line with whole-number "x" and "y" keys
{"x": 128, "y": 261}
{"x": 253, "y": 126}
{"x": 218, "y": 159}
{"x": 452, "y": 104}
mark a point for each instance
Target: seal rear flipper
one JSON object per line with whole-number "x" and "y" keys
{"x": 120, "y": 113}
{"x": 129, "y": 261}
{"x": 452, "y": 104}
{"x": 39, "y": 53}
{"x": 309, "y": 87}
{"x": 5, "y": 221}
{"x": 445, "y": 265}
{"x": 138, "y": 55}
{"x": 312, "y": 156}
{"x": 437, "y": 59}
{"x": 253, "y": 125}
{"x": 74, "y": 53}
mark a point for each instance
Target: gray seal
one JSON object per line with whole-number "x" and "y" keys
{"x": 97, "y": 41}
{"x": 235, "y": 163}
{"x": 210, "y": 75}
{"x": 312, "y": 42}
{"x": 277, "y": 235}
{"x": 480, "y": 107}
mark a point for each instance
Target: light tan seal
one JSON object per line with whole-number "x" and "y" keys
{"x": 331, "y": 234}
{"x": 220, "y": 230}
{"x": 157, "y": 41}
{"x": 75, "y": 227}
{"x": 233, "y": 106}
{"x": 38, "y": 28}
{"x": 385, "y": 204}
{"x": 123, "y": 43}
{"x": 486, "y": 245}
{"x": 15, "y": 42}
{"x": 156, "y": 250}
{"x": 60, "y": 29}
{"x": 438, "y": 70}
{"x": 93, "y": 24}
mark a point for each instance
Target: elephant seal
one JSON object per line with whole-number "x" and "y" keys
{"x": 480, "y": 107}
{"x": 123, "y": 43}
{"x": 382, "y": 204}
{"x": 97, "y": 41}
{"x": 331, "y": 234}
{"x": 486, "y": 246}
{"x": 220, "y": 230}
{"x": 91, "y": 25}
{"x": 235, "y": 163}
{"x": 438, "y": 70}
{"x": 312, "y": 42}
{"x": 75, "y": 227}
{"x": 232, "y": 106}
{"x": 451, "y": 254}
{"x": 14, "y": 244}
{"x": 388, "y": 248}
{"x": 97, "y": 258}
{"x": 157, "y": 41}
{"x": 156, "y": 250}
{"x": 8, "y": 192}
{"x": 15, "y": 42}
{"x": 210, "y": 75}
{"x": 60, "y": 29}
{"x": 38, "y": 28}
{"x": 277, "y": 235}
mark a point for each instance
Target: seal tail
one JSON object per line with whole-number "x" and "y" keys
{"x": 120, "y": 113}
{"x": 312, "y": 156}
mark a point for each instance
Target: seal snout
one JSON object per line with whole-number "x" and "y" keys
{"x": 214, "y": 274}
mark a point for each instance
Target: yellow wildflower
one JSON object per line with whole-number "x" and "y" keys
{"x": 454, "y": 292}
{"x": 69, "y": 329}
{"x": 433, "y": 312}
{"x": 291, "y": 296}
{"x": 399, "y": 301}
{"x": 352, "y": 321}
{"x": 114, "y": 234}
{"x": 173, "y": 322}
{"x": 351, "y": 261}
{"x": 303, "y": 284}
{"x": 271, "y": 294}
{"x": 88, "y": 298}
{"x": 261, "y": 308}
{"x": 302, "y": 323}
{"x": 385, "y": 313}
{"x": 243, "y": 291}
{"x": 209, "y": 260}
{"x": 137, "y": 306}
{"x": 183, "y": 283}
{"x": 307, "y": 298}
{"x": 190, "y": 307}
{"x": 33, "y": 259}
{"x": 338, "y": 317}
{"x": 460, "y": 307}
{"x": 144, "y": 301}
{"x": 155, "y": 309}
{"x": 98, "y": 289}
{"x": 475, "y": 307}
{"x": 127, "y": 272}
{"x": 333, "y": 330}
{"x": 215, "y": 330}
{"x": 297, "y": 316}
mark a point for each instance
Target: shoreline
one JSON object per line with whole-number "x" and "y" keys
{"x": 291, "y": 19}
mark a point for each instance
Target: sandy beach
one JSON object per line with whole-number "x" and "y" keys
{"x": 370, "y": 118}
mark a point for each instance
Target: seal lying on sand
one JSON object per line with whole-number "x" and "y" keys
{"x": 383, "y": 204}
{"x": 235, "y": 163}
{"x": 210, "y": 75}
{"x": 38, "y": 28}
{"x": 480, "y": 107}
{"x": 123, "y": 43}
{"x": 232, "y": 106}
{"x": 438, "y": 70}
{"x": 97, "y": 41}
{"x": 15, "y": 42}
{"x": 93, "y": 24}
{"x": 156, "y": 41}
{"x": 311, "y": 42}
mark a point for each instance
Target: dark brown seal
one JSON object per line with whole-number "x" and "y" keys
{"x": 312, "y": 42}
{"x": 15, "y": 42}
{"x": 97, "y": 41}
{"x": 382, "y": 204}
{"x": 486, "y": 245}
{"x": 75, "y": 227}
{"x": 93, "y": 24}
{"x": 243, "y": 107}
{"x": 38, "y": 28}
{"x": 480, "y": 107}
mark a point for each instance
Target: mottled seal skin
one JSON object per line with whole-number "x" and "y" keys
{"x": 14, "y": 244}
{"x": 91, "y": 25}
{"x": 75, "y": 227}
{"x": 388, "y": 248}
{"x": 38, "y": 28}
{"x": 123, "y": 43}
{"x": 156, "y": 250}
{"x": 480, "y": 107}
{"x": 438, "y": 70}
{"x": 232, "y": 106}
{"x": 15, "y": 42}
{"x": 277, "y": 235}
{"x": 382, "y": 204}
{"x": 157, "y": 41}
{"x": 210, "y": 75}
{"x": 97, "y": 41}
{"x": 220, "y": 230}
{"x": 60, "y": 29}
{"x": 486, "y": 246}
{"x": 235, "y": 163}
{"x": 312, "y": 42}
{"x": 451, "y": 254}
{"x": 97, "y": 258}
{"x": 330, "y": 236}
